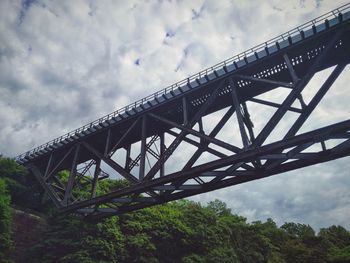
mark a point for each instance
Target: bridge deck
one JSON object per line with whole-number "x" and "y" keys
{"x": 302, "y": 45}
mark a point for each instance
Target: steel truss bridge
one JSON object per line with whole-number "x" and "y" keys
{"x": 140, "y": 141}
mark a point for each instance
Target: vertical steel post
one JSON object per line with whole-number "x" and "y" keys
{"x": 184, "y": 111}
{"x": 72, "y": 175}
{"x": 143, "y": 147}
{"x": 162, "y": 150}
{"x": 95, "y": 179}
{"x": 239, "y": 114}
{"x": 127, "y": 158}
{"x": 107, "y": 142}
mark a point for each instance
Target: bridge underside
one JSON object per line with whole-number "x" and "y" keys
{"x": 149, "y": 149}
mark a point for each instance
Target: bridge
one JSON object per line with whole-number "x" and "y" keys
{"x": 140, "y": 141}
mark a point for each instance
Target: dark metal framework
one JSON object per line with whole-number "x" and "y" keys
{"x": 156, "y": 133}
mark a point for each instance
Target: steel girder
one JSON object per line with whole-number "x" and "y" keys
{"x": 279, "y": 157}
{"x": 149, "y": 180}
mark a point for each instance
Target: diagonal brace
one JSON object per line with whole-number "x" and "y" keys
{"x": 111, "y": 163}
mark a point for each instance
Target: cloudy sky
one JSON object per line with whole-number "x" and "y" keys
{"x": 66, "y": 63}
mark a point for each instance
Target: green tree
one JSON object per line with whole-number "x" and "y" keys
{"x": 294, "y": 251}
{"x": 303, "y": 245}
{"x": 5, "y": 221}
{"x": 179, "y": 231}
{"x": 340, "y": 255}
{"x": 23, "y": 188}
{"x": 219, "y": 208}
{"x": 70, "y": 239}
{"x": 222, "y": 255}
{"x": 337, "y": 236}
{"x": 156, "y": 234}
{"x": 274, "y": 236}
{"x": 204, "y": 234}
{"x": 297, "y": 230}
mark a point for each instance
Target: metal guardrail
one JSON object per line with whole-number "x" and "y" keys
{"x": 314, "y": 22}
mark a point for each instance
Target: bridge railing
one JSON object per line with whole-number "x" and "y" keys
{"x": 252, "y": 51}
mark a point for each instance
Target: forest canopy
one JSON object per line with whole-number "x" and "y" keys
{"x": 180, "y": 231}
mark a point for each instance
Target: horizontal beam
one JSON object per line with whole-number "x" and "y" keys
{"x": 181, "y": 187}
{"x": 131, "y": 200}
{"x": 267, "y": 81}
{"x": 86, "y": 211}
{"x": 227, "y": 173}
{"x": 274, "y": 104}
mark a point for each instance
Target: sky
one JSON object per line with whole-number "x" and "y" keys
{"x": 66, "y": 63}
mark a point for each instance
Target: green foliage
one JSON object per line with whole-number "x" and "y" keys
{"x": 155, "y": 234}
{"x": 340, "y": 255}
{"x": 5, "y": 220}
{"x": 219, "y": 208}
{"x": 72, "y": 240}
{"x": 193, "y": 258}
{"x": 336, "y": 236}
{"x": 180, "y": 231}
{"x": 297, "y": 230}
{"x": 23, "y": 188}
{"x": 223, "y": 255}
{"x": 10, "y": 169}
{"x": 14, "y": 177}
